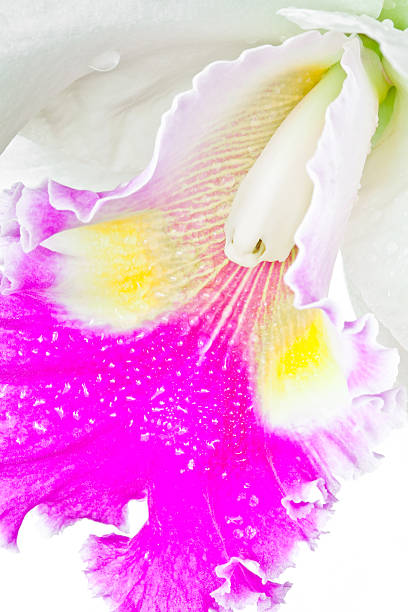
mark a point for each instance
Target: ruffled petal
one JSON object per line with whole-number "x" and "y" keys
{"x": 336, "y": 171}
{"x": 377, "y": 232}
{"x": 63, "y": 443}
{"x": 100, "y": 131}
{"x": 140, "y": 360}
{"x": 180, "y": 201}
{"x": 375, "y": 256}
{"x": 258, "y": 103}
{"x": 393, "y": 42}
{"x": 258, "y": 498}
{"x": 105, "y": 429}
{"x": 384, "y": 337}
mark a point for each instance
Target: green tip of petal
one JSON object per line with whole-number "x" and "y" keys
{"x": 372, "y": 64}
{"x": 372, "y": 44}
{"x": 385, "y": 111}
{"x": 397, "y": 11}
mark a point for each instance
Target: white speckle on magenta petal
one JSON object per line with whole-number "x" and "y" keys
{"x": 254, "y": 501}
{"x": 250, "y": 532}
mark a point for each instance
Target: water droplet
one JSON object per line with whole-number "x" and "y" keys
{"x": 250, "y": 532}
{"x": 253, "y": 501}
{"x": 105, "y": 61}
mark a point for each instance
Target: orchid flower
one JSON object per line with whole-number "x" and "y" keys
{"x": 171, "y": 337}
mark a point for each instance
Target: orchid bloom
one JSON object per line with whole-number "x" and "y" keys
{"x": 171, "y": 337}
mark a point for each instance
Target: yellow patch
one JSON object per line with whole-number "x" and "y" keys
{"x": 125, "y": 262}
{"x": 308, "y": 352}
{"x": 122, "y": 272}
{"x": 301, "y": 380}
{"x": 127, "y": 272}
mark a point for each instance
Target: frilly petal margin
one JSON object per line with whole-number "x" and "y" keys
{"x": 149, "y": 411}
{"x": 38, "y": 210}
{"x": 374, "y": 249}
{"x": 336, "y": 170}
{"x": 62, "y": 444}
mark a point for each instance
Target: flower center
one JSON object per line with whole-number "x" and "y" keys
{"x": 273, "y": 197}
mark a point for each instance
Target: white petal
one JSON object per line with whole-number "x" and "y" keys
{"x": 360, "y": 308}
{"x": 393, "y": 42}
{"x": 107, "y": 120}
{"x": 335, "y": 170}
{"x": 375, "y": 250}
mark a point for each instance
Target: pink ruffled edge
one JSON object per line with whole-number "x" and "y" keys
{"x": 388, "y": 403}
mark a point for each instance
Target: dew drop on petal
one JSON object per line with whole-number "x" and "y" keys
{"x": 250, "y": 532}
{"x": 105, "y": 61}
{"x": 253, "y": 501}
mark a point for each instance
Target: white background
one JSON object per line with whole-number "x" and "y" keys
{"x": 360, "y": 566}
